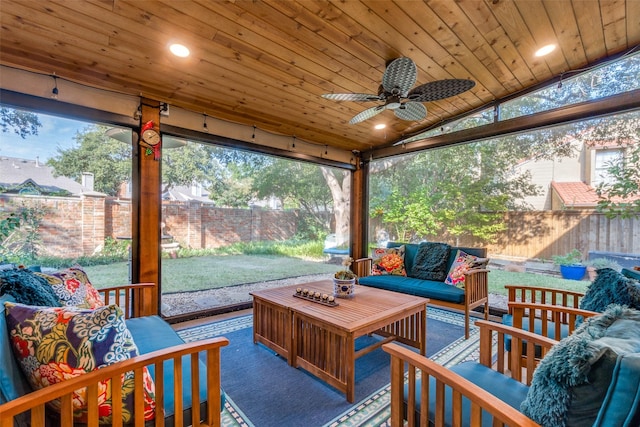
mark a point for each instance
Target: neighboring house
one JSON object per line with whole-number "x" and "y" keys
{"x": 22, "y": 176}
{"x": 182, "y": 193}
{"x": 570, "y": 182}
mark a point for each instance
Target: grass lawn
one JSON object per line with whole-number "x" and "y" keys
{"x": 208, "y": 272}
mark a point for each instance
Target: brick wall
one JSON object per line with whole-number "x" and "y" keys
{"x": 74, "y": 227}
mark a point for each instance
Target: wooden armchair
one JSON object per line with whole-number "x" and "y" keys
{"x": 470, "y": 394}
{"x": 175, "y": 355}
{"x": 136, "y": 299}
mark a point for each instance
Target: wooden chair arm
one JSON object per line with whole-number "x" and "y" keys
{"x": 543, "y": 295}
{"x": 136, "y": 299}
{"x": 476, "y": 285}
{"x": 362, "y": 267}
{"x": 480, "y": 399}
{"x": 546, "y": 313}
{"x": 35, "y": 401}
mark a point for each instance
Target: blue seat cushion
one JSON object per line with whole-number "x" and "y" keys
{"x": 631, "y": 274}
{"x": 621, "y": 405}
{"x": 507, "y": 319}
{"x": 501, "y": 386}
{"x": 418, "y": 287}
{"x": 151, "y": 333}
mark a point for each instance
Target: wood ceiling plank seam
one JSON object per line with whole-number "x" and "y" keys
{"x": 477, "y": 45}
{"x": 440, "y": 33}
{"x": 344, "y": 29}
{"x": 566, "y": 28}
{"x": 517, "y": 30}
{"x": 313, "y": 30}
{"x": 613, "y": 20}
{"x": 397, "y": 46}
{"x": 44, "y": 13}
{"x": 537, "y": 19}
{"x": 633, "y": 23}
{"x": 481, "y": 14}
{"x": 353, "y": 28}
{"x": 275, "y": 41}
{"x": 590, "y": 26}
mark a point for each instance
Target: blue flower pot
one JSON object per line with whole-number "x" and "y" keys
{"x": 573, "y": 272}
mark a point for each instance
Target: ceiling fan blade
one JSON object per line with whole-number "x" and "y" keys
{"x": 440, "y": 89}
{"x": 367, "y": 114}
{"x": 411, "y": 111}
{"x": 400, "y": 75}
{"x": 357, "y": 97}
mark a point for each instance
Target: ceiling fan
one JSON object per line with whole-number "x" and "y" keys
{"x": 397, "y": 95}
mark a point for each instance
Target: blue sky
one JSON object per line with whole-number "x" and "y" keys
{"x": 55, "y": 132}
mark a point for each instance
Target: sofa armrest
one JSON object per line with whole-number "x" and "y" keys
{"x": 543, "y": 295}
{"x": 476, "y": 285}
{"x": 135, "y": 299}
{"x": 480, "y": 399}
{"x": 362, "y": 267}
{"x": 35, "y": 401}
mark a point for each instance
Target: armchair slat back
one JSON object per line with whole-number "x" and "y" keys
{"x": 36, "y": 401}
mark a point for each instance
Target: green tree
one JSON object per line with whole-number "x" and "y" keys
{"x": 107, "y": 159}
{"x": 620, "y": 196}
{"x": 20, "y": 122}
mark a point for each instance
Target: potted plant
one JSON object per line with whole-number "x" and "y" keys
{"x": 344, "y": 280}
{"x": 598, "y": 263}
{"x": 571, "y": 265}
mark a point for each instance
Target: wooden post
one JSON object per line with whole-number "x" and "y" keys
{"x": 359, "y": 212}
{"x": 146, "y": 215}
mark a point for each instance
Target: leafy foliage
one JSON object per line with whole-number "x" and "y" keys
{"x": 620, "y": 197}
{"x": 20, "y": 239}
{"x": 21, "y": 122}
{"x": 107, "y": 159}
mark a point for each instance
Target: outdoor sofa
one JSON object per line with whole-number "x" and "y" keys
{"x": 186, "y": 377}
{"x": 474, "y": 293}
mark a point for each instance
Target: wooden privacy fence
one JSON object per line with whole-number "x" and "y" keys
{"x": 546, "y": 233}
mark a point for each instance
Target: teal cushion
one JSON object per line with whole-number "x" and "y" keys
{"x": 621, "y": 406}
{"x": 151, "y": 333}
{"x": 571, "y": 382}
{"x": 417, "y": 287}
{"x": 410, "y": 251}
{"x": 12, "y": 383}
{"x": 507, "y": 320}
{"x": 501, "y": 386}
{"x": 631, "y": 274}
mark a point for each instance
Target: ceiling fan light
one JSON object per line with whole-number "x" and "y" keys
{"x": 545, "y": 50}
{"x": 380, "y": 126}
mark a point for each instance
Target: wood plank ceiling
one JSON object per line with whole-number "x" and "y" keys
{"x": 267, "y": 63}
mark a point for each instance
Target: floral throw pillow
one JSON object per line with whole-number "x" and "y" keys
{"x": 463, "y": 263}
{"x": 388, "y": 261}
{"x": 73, "y": 288}
{"x": 52, "y": 344}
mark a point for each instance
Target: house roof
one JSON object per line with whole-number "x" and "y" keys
{"x": 581, "y": 195}
{"x": 575, "y": 194}
{"x": 32, "y": 176}
{"x": 185, "y": 194}
{"x": 267, "y": 63}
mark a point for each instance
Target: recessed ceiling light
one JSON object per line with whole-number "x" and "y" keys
{"x": 545, "y": 50}
{"x": 179, "y": 50}
{"x": 380, "y": 126}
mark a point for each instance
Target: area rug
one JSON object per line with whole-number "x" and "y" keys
{"x": 263, "y": 391}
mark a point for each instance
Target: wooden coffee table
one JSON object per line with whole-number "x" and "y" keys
{"x": 321, "y": 339}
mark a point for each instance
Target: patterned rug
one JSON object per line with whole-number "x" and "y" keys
{"x": 371, "y": 411}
